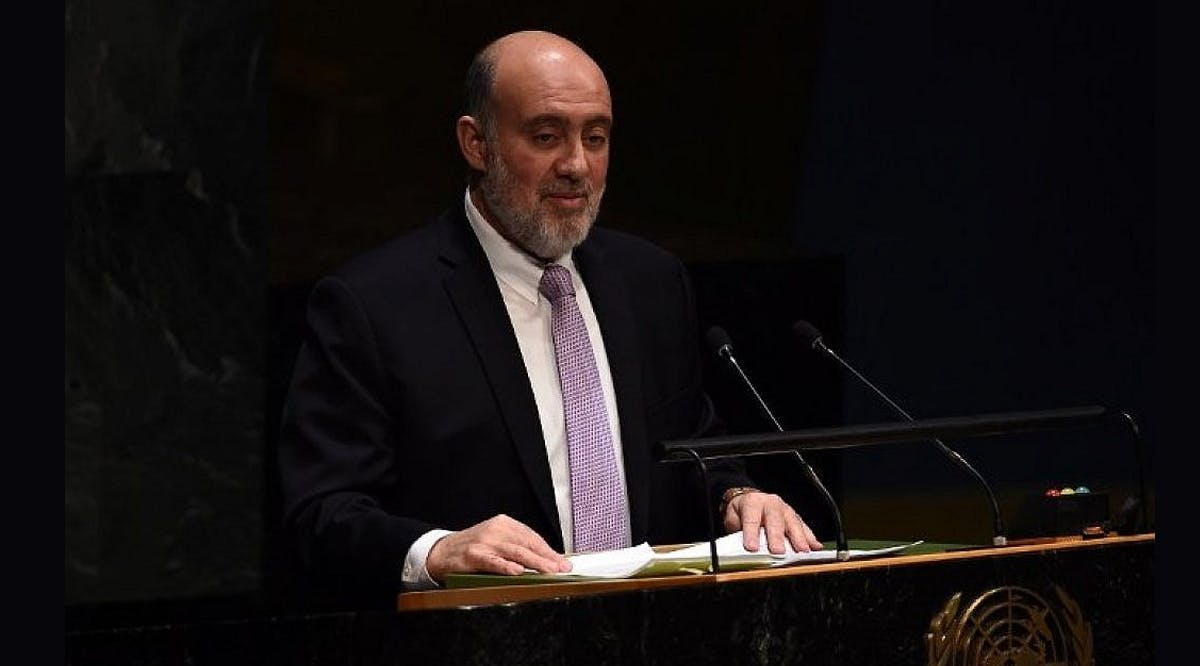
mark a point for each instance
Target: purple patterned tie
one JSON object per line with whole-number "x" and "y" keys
{"x": 598, "y": 509}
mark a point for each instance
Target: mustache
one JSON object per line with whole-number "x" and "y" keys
{"x": 580, "y": 190}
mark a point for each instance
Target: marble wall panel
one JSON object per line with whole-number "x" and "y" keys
{"x": 164, "y": 266}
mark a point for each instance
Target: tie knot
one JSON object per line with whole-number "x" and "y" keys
{"x": 556, "y": 283}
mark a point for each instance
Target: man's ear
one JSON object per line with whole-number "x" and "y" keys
{"x": 472, "y": 142}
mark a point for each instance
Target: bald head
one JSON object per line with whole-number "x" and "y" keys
{"x": 525, "y": 57}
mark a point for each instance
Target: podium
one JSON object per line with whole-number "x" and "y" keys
{"x": 1065, "y": 601}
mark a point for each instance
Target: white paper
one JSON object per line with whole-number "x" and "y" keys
{"x": 731, "y": 548}
{"x": 621, "y": 563}
{"x": 627, "y": 562}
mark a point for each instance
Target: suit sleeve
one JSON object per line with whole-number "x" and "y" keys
{"x": 336, "y": 448}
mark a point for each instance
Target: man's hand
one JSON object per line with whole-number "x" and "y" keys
{"x": 750, "y": 511}
{"x": 498, "y": 545}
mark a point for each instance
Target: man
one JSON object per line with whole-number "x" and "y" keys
{"x": 437, "y": 416}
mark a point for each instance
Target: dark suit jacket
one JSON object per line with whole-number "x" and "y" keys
{"x": 410, "y": 408}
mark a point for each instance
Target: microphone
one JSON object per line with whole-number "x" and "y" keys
{"x": 722, "y": 346}
{"x": 720, "y": 343}
{"x": 812, "y": 337}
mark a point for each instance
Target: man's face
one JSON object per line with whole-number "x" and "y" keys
{"x": 547, "y": 154}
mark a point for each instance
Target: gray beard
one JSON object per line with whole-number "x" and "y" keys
{"x": 533, "y": 230}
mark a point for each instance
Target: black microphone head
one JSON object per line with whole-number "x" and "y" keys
{"x": 718, "y": 340}
{"x": 806, "y": 332}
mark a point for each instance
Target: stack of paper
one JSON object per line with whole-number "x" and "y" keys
{"x": 641, "y": 560}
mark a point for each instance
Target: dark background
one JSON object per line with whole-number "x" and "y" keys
{"x": 961, "y": 198}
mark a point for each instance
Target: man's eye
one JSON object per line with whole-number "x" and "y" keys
{"x": 597, "y": 140}
{"x": 544, "y": 138}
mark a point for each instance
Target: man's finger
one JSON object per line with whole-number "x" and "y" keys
{"x": 813, "y": 542}
{"x": 794, "y": 530}
{"x": 485, "y": 558}
{"x": 798, "y": 534}
{"x": 802, "y": 537}
{"x": 502, "y": 565}
{"x": 538, "y": 554}
{"x": 776, "y": 529}
{"x": 528, "y": 558}
{"x": 750, "y": 525}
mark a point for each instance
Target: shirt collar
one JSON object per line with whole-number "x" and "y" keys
{"x": 511, "y": 265}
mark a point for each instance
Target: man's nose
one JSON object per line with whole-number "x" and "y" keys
{"x": 573, "y": 162}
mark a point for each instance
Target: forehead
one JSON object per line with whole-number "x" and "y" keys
{"x": 553, "y": 82}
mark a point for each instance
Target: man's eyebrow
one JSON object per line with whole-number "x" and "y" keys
{"x": 599, "y": 121}
{"x": 559, "y": 121}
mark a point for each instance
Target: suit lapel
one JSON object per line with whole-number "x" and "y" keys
{"x": 610, "y": 300}
{"x": 476, "y": 297}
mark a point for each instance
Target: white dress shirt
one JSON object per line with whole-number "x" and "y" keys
{"x": 518, "y": 275}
